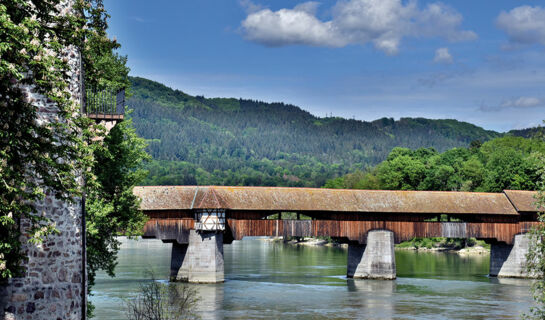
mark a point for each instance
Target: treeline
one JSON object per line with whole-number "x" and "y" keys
{"x": 196, "y": 140}
{"x": 503, "y": 163}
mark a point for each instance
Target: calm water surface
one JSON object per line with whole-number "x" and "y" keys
{"x": 266, "y": 280}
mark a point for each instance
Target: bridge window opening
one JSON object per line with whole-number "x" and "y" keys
{"x": 288, "y": 216}
{"x": 443, "y": 218}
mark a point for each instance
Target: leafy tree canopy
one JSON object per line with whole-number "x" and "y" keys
{"x": 502, "y": 163}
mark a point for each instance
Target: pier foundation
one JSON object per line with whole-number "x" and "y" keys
{"x": 177, "y": 258}
{"x": 376, "y": 260}
{"x": 199, "y": 261}
{"x": 509, "y": 261}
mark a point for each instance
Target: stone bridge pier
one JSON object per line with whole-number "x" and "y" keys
{"x": 509, "y": 260}
{"x": 200, "y": 260}
{"x": 373, "y": 260}
{"x": 376, "y": 258}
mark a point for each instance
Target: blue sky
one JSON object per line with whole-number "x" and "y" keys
{"x": 476, "y": 61}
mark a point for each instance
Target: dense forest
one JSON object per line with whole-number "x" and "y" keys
{"x": 227, "y": 141}
{"x": 503, "y": 163}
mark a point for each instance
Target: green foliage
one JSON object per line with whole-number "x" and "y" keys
{"x": 36, "y": 157}
{"x": 502, "y": 163}
{"x": 196, "y": 140}
{"x": 442, "y": 243}
{"x": 112, "y": 209}
{"x": 104, "y": 68}
{"x": 159, "y": 301}
{"x": 536, "y": 253}
{"x": 39, "y": 158}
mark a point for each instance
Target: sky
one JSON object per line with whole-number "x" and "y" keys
{"x": 477, "y": 61}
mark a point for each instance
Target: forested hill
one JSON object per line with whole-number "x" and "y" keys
{"x": 196, "y": 140}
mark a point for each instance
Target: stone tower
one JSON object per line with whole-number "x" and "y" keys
{"x": 53, "y": 285}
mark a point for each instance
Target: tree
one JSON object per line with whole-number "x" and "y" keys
{"x": 36, "y": 156}
{"x": 502, "y": 163}
{"x": 403, "y": 169}
{"x": 536, "y": 253}
{"x": 112, "y": 209}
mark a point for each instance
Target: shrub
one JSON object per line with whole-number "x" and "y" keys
{"x": 159, "y": 301}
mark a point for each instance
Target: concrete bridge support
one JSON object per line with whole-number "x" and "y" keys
{"x": 199, "y": 261}
{"x": 376, "y": 260}
{"x": 509, "y": 261}
{"x": 177, "y": 258}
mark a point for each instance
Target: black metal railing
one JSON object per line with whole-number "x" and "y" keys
{"x": 104, "y": 102}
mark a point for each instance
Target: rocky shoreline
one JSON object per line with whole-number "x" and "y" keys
{"x": 314, "y": 242}
{"x": 475, "y": 250}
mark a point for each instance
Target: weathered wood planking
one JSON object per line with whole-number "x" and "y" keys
{"x": 178, "y": 229}
{"x": 169, "y": 230}
{"x": 345, "y": 214}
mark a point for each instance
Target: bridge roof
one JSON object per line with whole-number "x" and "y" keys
{"x": 334, "y": 200}
{"x": 523, "y": 201}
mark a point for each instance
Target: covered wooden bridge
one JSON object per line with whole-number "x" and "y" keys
{"x": 351, "y": 216}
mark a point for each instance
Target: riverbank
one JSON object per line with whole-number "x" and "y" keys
{"x": 475, "y": 250}
{"x": 460, "y": 246}
{"x": 313, "y": 242}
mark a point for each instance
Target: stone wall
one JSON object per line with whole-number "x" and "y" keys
{"x": 51, "y": 287}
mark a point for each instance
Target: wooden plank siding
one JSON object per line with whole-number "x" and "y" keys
{"x": 345, "y": 214}
{"x": 174, "y": 229}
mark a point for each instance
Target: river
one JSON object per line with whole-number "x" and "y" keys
{"x": 267, "y": 280}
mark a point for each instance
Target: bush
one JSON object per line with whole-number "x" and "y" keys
{"x": 159, "y": 301}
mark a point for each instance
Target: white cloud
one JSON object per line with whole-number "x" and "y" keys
{"x": 523, "y": 25}
{"x": 295, "y": 26}
{"x": 309, "y": 7}
{"x": 521, "y": 102}
{"x": 249, "y": 6}
{"x": 381, "y": 22}
{"x": 442, "y": 55}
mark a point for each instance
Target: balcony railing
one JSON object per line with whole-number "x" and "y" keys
{"x": 105, "y": 104}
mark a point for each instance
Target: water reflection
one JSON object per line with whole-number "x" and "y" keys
{"x": 376, "y": 297}
{"x": 448, "y": 266}
{"x": 211, "y": 299}
{"x": 267, "y": 280}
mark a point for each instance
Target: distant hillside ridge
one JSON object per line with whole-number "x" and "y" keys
{"x": 198, "y": 140}
{"x": 535, "y": 132}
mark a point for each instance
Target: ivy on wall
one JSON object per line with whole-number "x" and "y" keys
{"x": 39, "y": 44}
{"x": 38, "y": 157}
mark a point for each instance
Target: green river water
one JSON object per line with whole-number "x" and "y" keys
{"x": 267, "y": 280}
